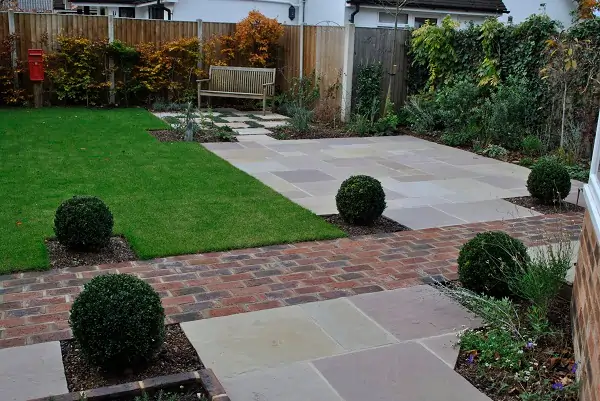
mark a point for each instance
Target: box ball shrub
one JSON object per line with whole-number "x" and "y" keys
{"x": 549, "y": 181}
{"x": 83, "y": 222}
{"x": 118, "y": 321}
{"x": 360, "y": 200}
{"x": 488, "y": 260}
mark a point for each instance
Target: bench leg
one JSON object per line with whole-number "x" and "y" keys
{"x": 264, "y": 104}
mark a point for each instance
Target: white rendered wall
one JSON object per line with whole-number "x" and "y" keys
{"x": 559, "y": 10}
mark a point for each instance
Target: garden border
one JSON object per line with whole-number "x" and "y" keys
{"x": 205, "y": 377}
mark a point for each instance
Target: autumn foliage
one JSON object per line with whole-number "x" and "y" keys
{"x": 10, "y": 94}
{"x": 586, "y": 8}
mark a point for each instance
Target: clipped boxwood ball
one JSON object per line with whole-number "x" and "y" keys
{"x": 549, "y": 181}
{"x": 487, "y": 260}
{"x": 118, "y": 321}
{"x": 360, "y": 200}
{"x": 83, "y": 222}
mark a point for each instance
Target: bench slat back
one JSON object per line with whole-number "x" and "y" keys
{"x": 241, "y": 79}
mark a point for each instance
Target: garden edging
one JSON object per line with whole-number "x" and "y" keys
{"x": 205, "y": 377}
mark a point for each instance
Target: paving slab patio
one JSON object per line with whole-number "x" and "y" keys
{"x": 341, "y": 350}
{"x": 431, "y": 185}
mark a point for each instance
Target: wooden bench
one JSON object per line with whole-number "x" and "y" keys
{"x": 239, "y": 82}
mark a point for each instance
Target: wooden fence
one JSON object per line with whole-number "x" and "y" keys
{"x": 324, "y": 46}
{"x": 374, "y": 45}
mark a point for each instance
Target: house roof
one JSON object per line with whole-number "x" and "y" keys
{"x": 493, "y": 6}
{"x": 130, "y": 2}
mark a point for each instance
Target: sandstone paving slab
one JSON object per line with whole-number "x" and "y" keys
{"x": 240, "y": 119}
{"x": 488, "y": 210}
{"x": 303, "y": 176}
{"x": 415, "y": 189}
{"x": 319, "y": 204}
{"x": 252, "y": 131}
{"x": 421, "y": 217}
{"x": 444, "y": 347}
{"x": 260, "y": 166}
{"x": 261, "y": 139}
{"x": 347, "y": 325}
{"x": 240, "y": 343}
{"x": 275, "y": 182}
{"x": 32, "y": 371}
{"x": 271, "y": 124}
{"x": 321, "y": 188}
{"x": 504, "y": 182}
{"x": 296, "y": 382}
{"x": 233, "y": 125}
{"x": 293, "y": 195}
{"x": 222, "y": 146}
{"x": 415, "y": 312}
{"x": 400, "y": 372}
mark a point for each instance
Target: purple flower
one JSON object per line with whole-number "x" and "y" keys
{"x": 574, "y": 368}
{"x": 557, "y": 386}
{"x": 529, "y": 345}
{"x": 471, "y": 358}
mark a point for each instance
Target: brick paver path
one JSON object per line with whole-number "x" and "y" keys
{"x": 34, "y": 306}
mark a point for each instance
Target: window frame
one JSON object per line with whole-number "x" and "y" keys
{"x": 391, "y": 24}
{"x": 128, "y": 9}
{"x": 591, "y": 190}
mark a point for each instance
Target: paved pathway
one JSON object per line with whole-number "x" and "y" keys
{"x": 389, "y": 346}
{"x": 34, "y": 306}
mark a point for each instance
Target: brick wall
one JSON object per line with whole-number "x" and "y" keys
{"x": 586, "y": 312}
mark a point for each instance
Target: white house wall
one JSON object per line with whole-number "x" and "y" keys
{"x": 369, "y": 17}
{"x": 232, "y": 10}
{"x": 559, "y": 10}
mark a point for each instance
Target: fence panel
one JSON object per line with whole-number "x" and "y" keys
{"x": 136, "y": 31}
{"x": 374, "y": 45}
{"x": 4, "y": 33}
{"x": 329, "y": 63}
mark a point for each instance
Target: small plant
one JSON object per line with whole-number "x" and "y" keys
{"x": 526, "y": 162}
{"x": 495, "y": 152}
{"x": 579, "y": 172}
{"x": 532, "y": 145}
{"x": 118, "y": 321}
{"x": 487, "y": 260}
{"x": 491, "y": 343}
{"x": 549, "y": 181}
{"x": 387, "y": 124}
{"x": 360, "y": 200}
{"x": 83, "y": 222}
{"x": 457, "y": 139}
{"x": 360, "y": 124}
{"x": 368, "y": 90}
{"x": 300, "y": 119}
{"x": 225, "y": 134}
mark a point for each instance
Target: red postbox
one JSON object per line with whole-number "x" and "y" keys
{"x": 36, "y": 64}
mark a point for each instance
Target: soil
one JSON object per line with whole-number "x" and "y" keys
{"x": 554, "y": 353}
{"x": 118, "y": 250}
{"x": 316, "y": 132}
{"x": 177, "y": 355}
{"x": 533, "y": 204}
{"x": 381, "y": 226}
{"x": 174, "y": 136}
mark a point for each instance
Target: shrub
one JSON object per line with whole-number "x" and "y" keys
{"x": 532, "y": 145}
{"x": 487, "y": 260}
{"x": 526, "y": 162}
{"x": 457, "y": 139}
{"x": 300, "y": 118}
{"x": 368, "y": 90}
{"x": 83, "y": 222}
{"x": 549, "y": 181}
{"x": 360, "y": 200}
{"x": 360, "y": 124}
{"x": 118, "y": 321}
{"x": 495, "y": 152}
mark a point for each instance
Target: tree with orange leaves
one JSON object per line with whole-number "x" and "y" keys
{"x": 587, "y": 8}
{"x": 256, "y": 38}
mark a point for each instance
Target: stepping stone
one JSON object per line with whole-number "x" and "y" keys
{"x": 252, "y": 131}
{"x": 232, "y": 125}
{"x": 444, "y": 347}
{"x": 401, "y": 372}
{"x": 271, "y": 124}
{"x": 296, "y": 176}
{"x": 235, "y": 119}
{"x": 32, "y": 371}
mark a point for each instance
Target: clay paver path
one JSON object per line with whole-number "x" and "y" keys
{"x": 34, "y": 307}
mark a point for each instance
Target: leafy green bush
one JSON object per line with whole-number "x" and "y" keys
{"x": 526, "y": 162}
{"x": 360, "y": 124}
{"x": 360, "y": 200}
{"x": 457, "y": 105}
{"x": 368, "y": 90}
{"x": 549, "y": 181}
{"x": 118, "y": 321}
{"x": 422, "y": 114}
{"x": 495, "y": 152}
{"x": 83, "y": 222}
{"x": 485, "y": 262}
{"x": 532, "y": 145}
{"x": 579, "y": 172}
{"x": 457, "y": 139}
{"x": 304, "y": 93}
{"x": 300, "y": 118}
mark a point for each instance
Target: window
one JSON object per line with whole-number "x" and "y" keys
{"x": 127, "y": 12}
{"x": 389, "y": 18}
{"x": 419, "y": 21}
{"x": 592, "y": 189}
{"x": 156, "y": 12}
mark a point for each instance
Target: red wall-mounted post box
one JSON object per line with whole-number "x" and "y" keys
{"x": 36, "y": 64}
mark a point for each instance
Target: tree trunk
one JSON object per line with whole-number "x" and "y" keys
{"x": 564, "y": 112}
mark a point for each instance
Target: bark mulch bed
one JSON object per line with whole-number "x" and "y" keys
{"x": 531, "y": 203}
{"x": 554, "y": 357}
{"x": 383, "y": 225}
{"x": 118, "y": 250}
{"x": 164, "y": 135}
{"x": 316, "y": 132}
{"x": 176, "y": 356}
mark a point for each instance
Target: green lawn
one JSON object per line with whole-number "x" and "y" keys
{"x": 167, "y": 199}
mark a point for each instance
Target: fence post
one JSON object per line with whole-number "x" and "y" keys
{"x": 348, "y": 71}
{"x": 13, "y": 54}
{"x": 201, "y": 60}
{"x": 111, "y": 62}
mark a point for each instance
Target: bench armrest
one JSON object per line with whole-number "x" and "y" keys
{"x": 200, "y": 82}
